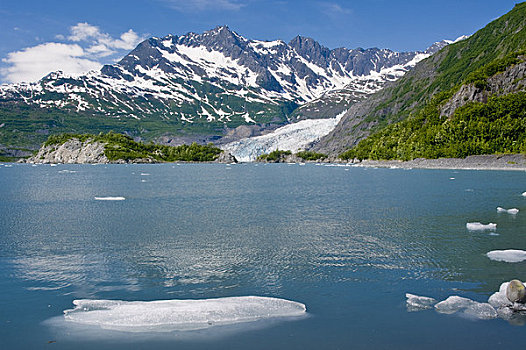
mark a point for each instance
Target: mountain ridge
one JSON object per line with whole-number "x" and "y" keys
{"x": 441, "y": 72}
{"x": 198, "y": 85}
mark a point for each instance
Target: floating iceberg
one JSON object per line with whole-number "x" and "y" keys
{"x": 109, "y": 198}
{"x": 453, "y": 304}
{"x": 510, "y": 255}
{"x": 509, "y": 211}
{"x": 524, "y": 194}
{"x": 498, "y": 305}
{"x": 417, "y": 303}
{"x": 179, "y": 315}
{"x": 475, "y": 226}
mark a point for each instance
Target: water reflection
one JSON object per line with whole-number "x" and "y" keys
{"x": 203, "y": 231}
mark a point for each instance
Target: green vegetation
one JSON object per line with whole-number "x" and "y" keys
{"x": 309, "y": 155}
{"x": 274, "y": 156}
{"x": 6, "y": 159}
{"x": 480, "y": 77}
{"x": 123, "y": 147}
{"x": 498, "y": 126}
{"x": 483, "y": 54}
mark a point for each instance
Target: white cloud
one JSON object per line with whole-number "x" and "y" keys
{"x": 32, "y": 63}
{"x": 203, "y": 5}
{"x": 102, "y": 42}
{"x": 333, "y": 9}
{"x": 87, "y": 46}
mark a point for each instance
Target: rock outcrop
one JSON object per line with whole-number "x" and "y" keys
{"x": 72, "y": 151}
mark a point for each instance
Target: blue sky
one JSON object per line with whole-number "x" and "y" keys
{"x": 40, "y": 36}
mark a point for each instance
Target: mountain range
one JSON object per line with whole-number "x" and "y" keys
{"x": 201, "y": 87}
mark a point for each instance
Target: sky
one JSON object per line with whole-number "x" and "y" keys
{"x": 38, "y": 37}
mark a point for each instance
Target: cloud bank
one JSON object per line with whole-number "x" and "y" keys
{"x": 83, "y": 50}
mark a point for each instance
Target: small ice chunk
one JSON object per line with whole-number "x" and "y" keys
{"x": 145, "y": 174}
{"x": 482, "y": 311}
{"x": 509, "y": 255}
{"x": 417, "y": 303}
{"x": 453, "y": 304}
{"x": 524, "y": 194}
{"x": 512, "y": 211}
{"x": 499, "y": 299}
{"x": 477, "y": 226}
{"x": 109, "y": 198}
{"x": 179, "y": 315}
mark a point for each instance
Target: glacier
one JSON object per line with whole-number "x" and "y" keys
{"x": 291, "y": 137}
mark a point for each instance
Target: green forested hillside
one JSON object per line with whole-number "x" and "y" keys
{"x": 414, "y": 101}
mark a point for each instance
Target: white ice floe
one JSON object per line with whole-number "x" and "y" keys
{"x": 145, "y": 174}
{"x": 512, "y": 211}
{"x": 417, "y": 303}
{"x": 524, "y": 194}
{"x": 509, "y": 255}
{"x": 475, "y": 226}
{"x": 500, "y": 302}
{"x": 498, "y": 305}
{"x": 110, "y": 198}
{"x": 179, "y": 315}
{"x": 453, "y": 304}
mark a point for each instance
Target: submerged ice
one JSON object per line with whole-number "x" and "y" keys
{"x": 179, "y": 315}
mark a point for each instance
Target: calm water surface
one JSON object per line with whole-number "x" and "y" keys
{"x": 346, "y": 242}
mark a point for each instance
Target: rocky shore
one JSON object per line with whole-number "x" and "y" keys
{"x": 75, "y": 151}
{"x": 482, "y": 162}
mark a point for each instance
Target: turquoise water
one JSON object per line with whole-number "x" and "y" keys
{"x": 346, "y": 242}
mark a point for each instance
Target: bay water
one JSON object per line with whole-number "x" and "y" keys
{"x": 347, "y": 242}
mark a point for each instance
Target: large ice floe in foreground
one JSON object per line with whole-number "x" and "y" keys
{"x": 179, "y": 315}
{"x": 497, "y": 306}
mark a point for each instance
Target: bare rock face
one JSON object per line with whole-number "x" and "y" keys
{"x": 72, "y": 151}
{"x": 226, "y": 157}
{"x": 510, "y": 81}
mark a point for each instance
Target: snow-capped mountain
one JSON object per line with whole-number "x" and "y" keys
{"x": 218, "y": 80}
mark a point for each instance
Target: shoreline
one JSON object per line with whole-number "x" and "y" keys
{"x": 510, "y": 162}
{"x": 513, "y": 162}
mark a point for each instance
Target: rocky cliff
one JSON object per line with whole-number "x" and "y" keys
{"x": 72, "y": 151}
